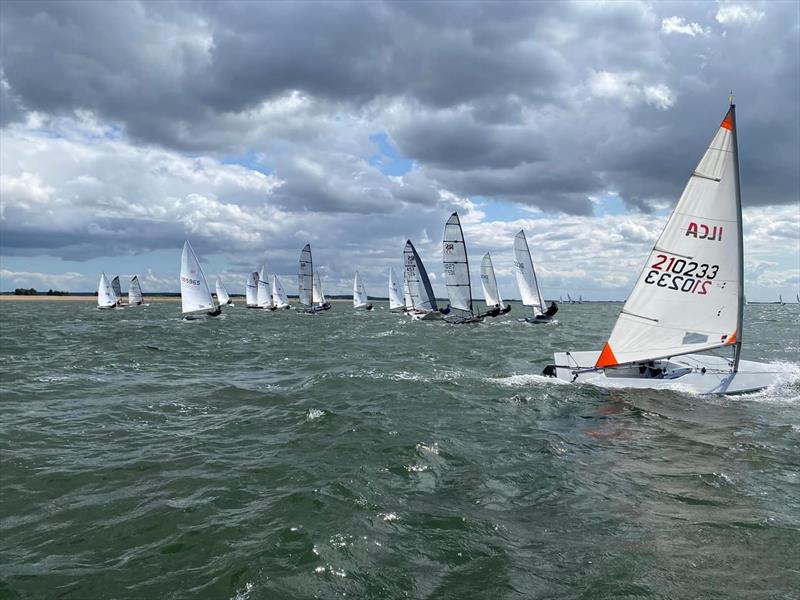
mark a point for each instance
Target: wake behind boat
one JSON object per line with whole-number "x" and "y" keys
{"x": 196, "y": 299}
{"x": 456, "y": 274}
{"x": 529, "y": 284}
{"x": 689, "y": 297}
{"x": 420, "y": 300}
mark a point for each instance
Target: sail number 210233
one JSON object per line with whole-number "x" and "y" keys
{"x": 681, "y": 275}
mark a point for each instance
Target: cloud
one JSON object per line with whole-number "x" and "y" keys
{"x": 738, "y": 13}
{"x": 628, "y": 89}
{"x": 680, "y": 26}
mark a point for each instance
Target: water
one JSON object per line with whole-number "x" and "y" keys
{"x": 366, "y": 456}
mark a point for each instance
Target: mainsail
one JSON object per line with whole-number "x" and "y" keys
{"x": 305, "y": 276}
{"x": 251, "y": 290}
{"x": 264, "y": 296}
{"x": 117, "y": 289}
{"x": 279, "y": 298}
{"x": 135, "y": 291}
{"x": 360, "y": 299}
{"x": 195, "y": 295}
{"x": 456, "y": 265}
{"x": 222, "y": 294}
{"x": 489, "y": 283}
{"x": 419, "y": 293}
{"x": 396, "y": 300}
{"x": 317, "y": 295}
{"x": 688, "y": 297}
{"x": 526, "y": 276}
{"x": 105, "y": 293}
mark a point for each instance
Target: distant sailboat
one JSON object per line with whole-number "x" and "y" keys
{"x": 456, "y": 273}
{"x": 360, "y": 298}
{"x": 528, "y": 283}
{"x": 780, "y": 300}
{"x": 135, "y": 297}
{"x": 118, "y": 291}
{"x": 251, "y": 290}
{"x": 420, "y": 300}
{"x": 569, "y": 299}
{"x": 311, "y": 296}
{"x": 196, "y": 299}
{"x": 494, "y": 303}
{"x": 106, "y": 298}
{"x": 580, "y": 299}
{"x": 264, "y": 296}
{"x": 279, "y": 298}
{"x": 223, "y": 297}
{"x": 396, "y": 301}
{"x": 689, "y": 297}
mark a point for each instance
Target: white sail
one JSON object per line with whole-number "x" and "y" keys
{"x": 456, "y": 265}
{"x": 251, "y": 289}
{"x": 318, "y": 296}
{"x": 396, "y": 300}
{"x": 264, "y": 296}
{"x": 279, "y": 297}
{"x": 105, "y": 293}
{"x": 688, "y": 296}
{"x": 135, "y": 291}
{"x": 489, "y": 283}
{"x": 419, "y": 293}
{"x": 222, "y": 294}
{"x": 360, "y": 299}
{"x": 195, "y": 295}
{"x": 305, "y": 276}
{"x": 526, "y": 275}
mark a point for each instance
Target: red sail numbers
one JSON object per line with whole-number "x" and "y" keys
{"x": 703, "y": 232}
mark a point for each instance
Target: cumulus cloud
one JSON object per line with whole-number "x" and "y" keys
{"x": 680, "y": 26}
{"x": 738, "y": 13}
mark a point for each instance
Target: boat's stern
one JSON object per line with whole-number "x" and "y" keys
{"x": 565, "y": 364}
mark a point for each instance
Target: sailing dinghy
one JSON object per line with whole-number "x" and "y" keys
{"x": 118, "y": 292}
{"x": 135, "y": 297}
{"x": 251, "y": 290}
{"x": 420, "y": 300}
{"x": 196, "y": 299}
{"x": 456, "y": 273}
{"x": 688, "y": 298}
{"x": 494, "y": 303}
{"x": 360, "y": 298}
{"x": 528, "y": 283}
{"x": 279, "y": 298}
{"x": 311, "y": 297}
{"x": 106, "y": 299}
{"x": 263, "y": 295}
{"x": 223, "y": 298}
{"x": 396, "y": 301}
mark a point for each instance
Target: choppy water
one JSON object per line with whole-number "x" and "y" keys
{"x": 266, "y": 455}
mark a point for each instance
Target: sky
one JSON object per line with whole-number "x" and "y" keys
{"x": 253, "y": 128}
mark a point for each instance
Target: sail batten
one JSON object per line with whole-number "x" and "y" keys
{"x": 691, "y": 285}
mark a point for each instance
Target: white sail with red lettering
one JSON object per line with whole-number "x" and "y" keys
{"x": 687, "y": 298}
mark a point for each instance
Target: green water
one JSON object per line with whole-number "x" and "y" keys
{"x": 361, "y": 455}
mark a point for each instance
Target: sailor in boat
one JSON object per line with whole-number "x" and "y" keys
{"x": 495, "y": 311}
{"x": 445, "y": 310}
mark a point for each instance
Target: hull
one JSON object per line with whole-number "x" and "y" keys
{"x": 422, "y": 315}
{"x": 694, "y": 373}
{"x": 112, "y": 307}
{"x": 201, "y": 314}
{"x": 538, "y": 319}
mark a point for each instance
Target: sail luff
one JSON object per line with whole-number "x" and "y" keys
{"x": 740, "y": 234}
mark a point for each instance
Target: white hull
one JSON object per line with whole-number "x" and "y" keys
{"x": 423, "y": 315}
{"x": 682, "y": 373}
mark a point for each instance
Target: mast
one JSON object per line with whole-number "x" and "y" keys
{"x": 738, "y": 349}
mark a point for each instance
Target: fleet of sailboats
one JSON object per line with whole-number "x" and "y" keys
{"x": 688, "y": 299}
{"x": 680, "y": 328}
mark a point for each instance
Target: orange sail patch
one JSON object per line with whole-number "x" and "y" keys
{"x": 731, "y": 338}
{"x": 607, "y": 358}
{"x": 727, "y": 122}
